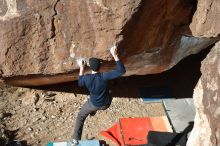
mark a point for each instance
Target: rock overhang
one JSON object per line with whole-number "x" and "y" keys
{"x": 41, "y": 41}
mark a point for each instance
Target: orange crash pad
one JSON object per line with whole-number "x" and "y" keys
{"x": 134, "y": 131}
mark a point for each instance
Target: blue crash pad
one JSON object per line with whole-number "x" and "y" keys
{"x": 155, "y": 93}
{"x": 81, "y": 143}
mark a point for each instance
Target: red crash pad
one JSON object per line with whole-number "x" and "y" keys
{"x": 133, "y": 131}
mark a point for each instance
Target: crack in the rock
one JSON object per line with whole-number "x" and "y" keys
{"x": 207, "y": 12}
{"x": 210, "y": 7}
{"x": 53, "y": 28}
{"x": 13, "y": 44}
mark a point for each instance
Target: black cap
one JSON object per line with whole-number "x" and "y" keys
{"x": 94, "y": 64}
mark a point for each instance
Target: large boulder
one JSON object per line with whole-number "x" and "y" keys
{"x": 41, "y": 40}
{"x": 206, "y": 131}
{"x": 206, "y": 19}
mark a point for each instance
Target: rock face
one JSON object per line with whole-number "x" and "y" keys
{"x": 206, "y": 19}
{"x": 206, "y": 131}
{"x": 40, "y": 40}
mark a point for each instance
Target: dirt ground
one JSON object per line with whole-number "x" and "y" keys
{"x": 38, "y": 117}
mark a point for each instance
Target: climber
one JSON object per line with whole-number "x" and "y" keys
{"x": 96, "y": 83}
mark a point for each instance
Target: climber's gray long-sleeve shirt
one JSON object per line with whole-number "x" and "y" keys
{"x": 97, "y": 84}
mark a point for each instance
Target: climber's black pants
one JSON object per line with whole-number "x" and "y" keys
{"x": 87, "y": 109}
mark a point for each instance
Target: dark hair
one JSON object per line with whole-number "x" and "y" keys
{"x": 94, "y": 64}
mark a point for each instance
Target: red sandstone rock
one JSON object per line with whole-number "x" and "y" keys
{"x": 40, "y": 40}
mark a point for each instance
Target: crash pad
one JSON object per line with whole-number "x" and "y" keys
{"x": 166, "y": 139}
{"x": 81, "y": 143}
{"x": 134, "y": 131}
{"x": 154, "y": 93}
{"x": 180, "y": 112}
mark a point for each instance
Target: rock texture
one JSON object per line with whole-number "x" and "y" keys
{"x": 206, "y": 19}
{"x": 40, "y": 40}
{"x": 206, "y": 130}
